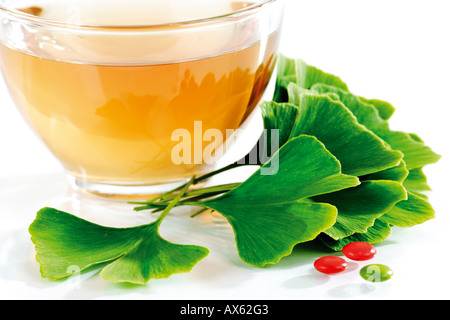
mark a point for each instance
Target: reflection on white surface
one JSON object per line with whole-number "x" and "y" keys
{"x": 221, "y": 275}
{"x": 19, "y": 270}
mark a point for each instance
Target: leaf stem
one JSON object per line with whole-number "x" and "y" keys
{"x": 197, "y": 180}
{"x": 190, "y": 198}
{"x": 174, "y": 202}
{"x": 199, "y": 212}
{"x": 197, "y": 192}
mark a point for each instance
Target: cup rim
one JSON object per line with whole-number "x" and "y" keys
{"x": 170, "y": 25}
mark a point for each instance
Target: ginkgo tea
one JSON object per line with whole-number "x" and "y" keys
{"x": 105, "y": 85}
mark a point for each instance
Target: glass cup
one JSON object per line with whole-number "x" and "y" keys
{"x": 135, "y": 100}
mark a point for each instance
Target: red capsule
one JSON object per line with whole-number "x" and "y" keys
{"x": 359, "y": 251}
{"x": 330, "y": 264}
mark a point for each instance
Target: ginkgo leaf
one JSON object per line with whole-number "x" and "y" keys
{"x": 298, "y": 72}
{"x": 279, "y": 116}
{"x": 359, "y": 150}
{"x": 270, "y": 214}
{"x": 65, "y": 243}
{"x": 153, "y": 258}
{"x": 416, "y": 182}
{"x": 408, "y": 213}
{"x": 305, "y": 76}
{"x": 286, "y": 74}
{"x": 359, "y": 207}
{"x": 379, "y": 232}
{"x": 299, "y": 80}
{"x": 385, "y": 109}
{"x": 398, "y": 173}
{"x": 416, "y": 153}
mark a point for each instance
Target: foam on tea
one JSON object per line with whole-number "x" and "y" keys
{"x": 135, "y": 12}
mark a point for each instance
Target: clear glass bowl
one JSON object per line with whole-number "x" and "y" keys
{"x": 131, "y": 108}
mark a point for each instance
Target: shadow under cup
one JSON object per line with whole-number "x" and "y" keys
{"x": 107, "y": 100}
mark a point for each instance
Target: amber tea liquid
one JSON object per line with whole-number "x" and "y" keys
{"x": 112, "y": 122}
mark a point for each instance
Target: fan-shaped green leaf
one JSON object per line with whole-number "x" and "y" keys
{"x": 268, "y": 212}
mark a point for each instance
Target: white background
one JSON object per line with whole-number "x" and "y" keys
{"x": 395, "y": 50}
